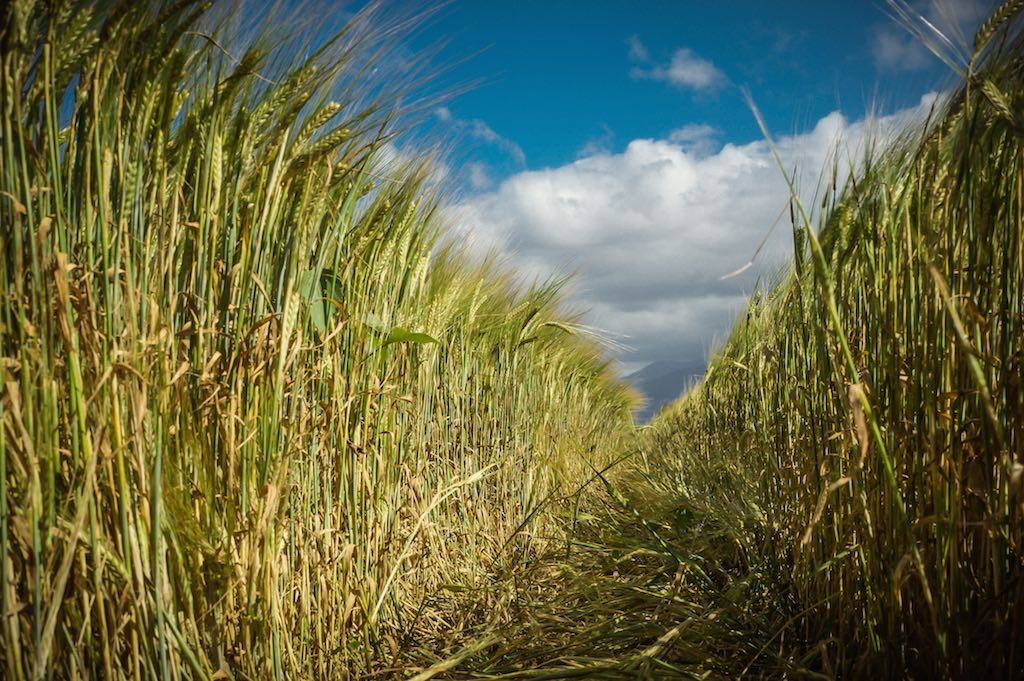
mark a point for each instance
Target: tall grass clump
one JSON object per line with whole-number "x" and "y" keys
{"x": 862, "y": 431}
{"x": 254, "y": 421}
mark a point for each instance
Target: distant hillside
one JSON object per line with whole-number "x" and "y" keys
{"x": 663, "y": 382}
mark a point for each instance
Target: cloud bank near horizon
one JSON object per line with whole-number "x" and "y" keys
{"x": 650, "y": 231}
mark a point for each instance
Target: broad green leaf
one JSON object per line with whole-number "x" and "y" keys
{"x": 375, "y": 322}
{"x": 400, "y": 335}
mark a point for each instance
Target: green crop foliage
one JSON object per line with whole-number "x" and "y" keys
{"x": 843, "y": 494}
{"x": 254, "y": 419}
{"x": 260, "y": 419}
{"x": 862, "y": 430}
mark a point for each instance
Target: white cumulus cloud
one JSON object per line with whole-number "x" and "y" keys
{"x": 695, "y": 138}
{"x": 479, "y": 130}
{"x": 637, "y": 50}
{"x": 893, "y": 49}
{"x": 686, "y": 69}
{"x": 948, "y": 25}
{"x": 651, "y": 231}
{"x": 479, "y": 176}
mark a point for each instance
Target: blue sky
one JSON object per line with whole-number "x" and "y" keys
{"x": 613, "y": 139}
{"x": 559, "y": 74}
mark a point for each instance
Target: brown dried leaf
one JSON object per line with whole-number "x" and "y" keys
{"x": 856, "y": 395}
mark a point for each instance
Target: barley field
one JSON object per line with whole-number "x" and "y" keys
{"x": 261, "y": 418}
